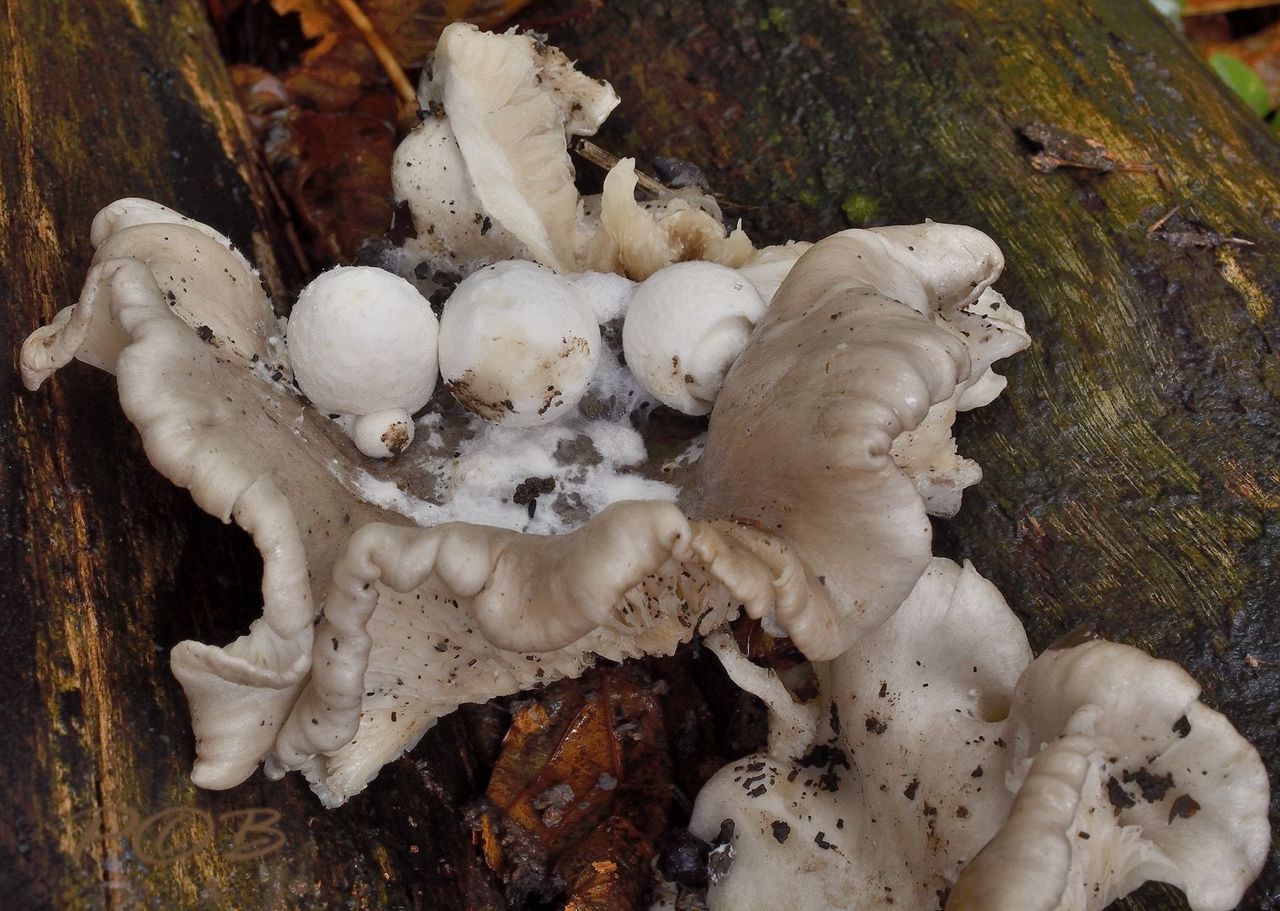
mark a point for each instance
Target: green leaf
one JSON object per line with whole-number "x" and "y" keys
{"x": 1242, "y": 80}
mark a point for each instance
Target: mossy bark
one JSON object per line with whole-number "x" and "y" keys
{"x": 106, "y": 565}
{"x": 1132, "y": 470}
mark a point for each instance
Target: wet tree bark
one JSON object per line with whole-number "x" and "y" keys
{"x": 106, "y": 565}
{"x": 1132, "y": 469}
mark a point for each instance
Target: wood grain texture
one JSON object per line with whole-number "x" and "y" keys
{"x": 1133, "y": 467}
{"x": 107, "y": 565}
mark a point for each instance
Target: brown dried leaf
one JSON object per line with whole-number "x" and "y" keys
{"x": 1208, "y": 7}
{"x": 579, "y": 753}
{"x": 584, "y": 776}
{"x": 335, "y": 169}
{"x": 608, "y": 871}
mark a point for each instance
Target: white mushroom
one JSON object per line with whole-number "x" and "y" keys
{"x": 206, "y": 281}
{"x": 685, "y": 327}
{"x": 363, "y": 342}
{"x": 488, "y": 175}
{"x": 608, "y": 293}
{"x": 637, "y": 239}
{"x": 518, "y": 344}
{"x": 935, "y": 721}
{"x": 454, "y": 229}
{"x": 769, "y": 267}
{"x": 1123, "y": 777}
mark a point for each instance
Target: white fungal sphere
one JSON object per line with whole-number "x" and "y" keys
{"x": 685, "y": 327}
{"x": 429, "y": 173}
{"x": 383, "y": 434}
{"x": 362, "y": 341}
{"x": 518, "y": 344}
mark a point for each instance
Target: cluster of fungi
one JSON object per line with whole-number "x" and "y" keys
{"x": 952, "y": 767}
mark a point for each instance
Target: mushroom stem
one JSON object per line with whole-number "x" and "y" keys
{"x": 383, "y": 434}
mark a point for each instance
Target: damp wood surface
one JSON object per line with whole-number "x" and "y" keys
{"x": 1132, "y": 469}
{"x": 107, "y": 565}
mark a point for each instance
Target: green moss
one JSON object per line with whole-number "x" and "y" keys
{"x": 859, "y": 209}
{"x": 777, "y": 19}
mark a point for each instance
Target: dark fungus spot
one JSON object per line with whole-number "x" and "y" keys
{"x": 1182, "y": 727}
{"x": 910, "y": 791}
{"x": 530, "y": 489}
{"x": 875, "y": 725}
{"x": 781, "y": 831}
{"x": 821, "y": 841}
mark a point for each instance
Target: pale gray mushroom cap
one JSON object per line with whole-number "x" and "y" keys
{"x": 1146, "y": 783}
{"x": 816, "y": 469}
{"x": 945, "y": 763}
{"x": 473, "y": 611}
{"x": 200, "y": 275}
{"x": 899, "y": 783}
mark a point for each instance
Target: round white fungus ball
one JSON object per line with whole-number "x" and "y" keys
{"x": 383, "y": 434}
{"x": 518, "y": 344}
{"x": 361, "y": 341}
{"x": 608, "y": 294}
{"x": 685, "y": 327}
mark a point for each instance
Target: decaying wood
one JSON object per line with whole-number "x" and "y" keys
{"x": 107, "y": 565}
{"x": 1132, "y": 469}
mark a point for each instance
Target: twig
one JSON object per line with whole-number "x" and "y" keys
{"x": 602, "y": 159}
{"x": 1160, "y": 222}
{"x": 404, "y": 88}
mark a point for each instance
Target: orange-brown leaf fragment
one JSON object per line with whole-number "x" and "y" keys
{"x": 585, "y": 774}
{"x": 613, "y": 884}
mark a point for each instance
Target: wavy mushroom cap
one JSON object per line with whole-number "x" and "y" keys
{"x": 201, "y": 276}
{"x": 1125, "y": 777}
{"x": 900, "y": 780}
{"x": 802, "y": 431}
